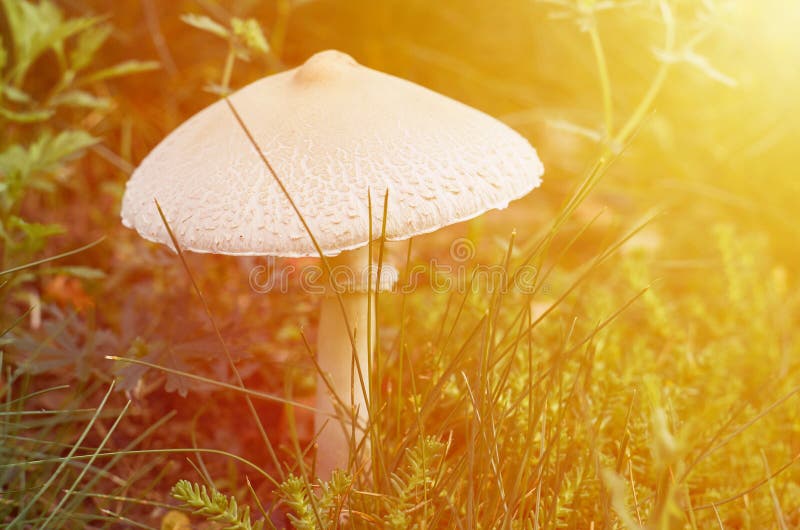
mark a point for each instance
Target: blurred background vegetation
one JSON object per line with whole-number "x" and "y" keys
{"x": 686, "y": 399}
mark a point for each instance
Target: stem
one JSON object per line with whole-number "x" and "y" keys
{"x": 345, "y": 368}
{"x": 228, "y": 70}
{"x": 605, "y": 83}
{"x": 284, "y": 9}
{"x": 655, "y": 86}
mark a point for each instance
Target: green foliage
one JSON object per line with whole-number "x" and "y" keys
{"x": 34, "y": 154}
{"x": 33, "y": 167}
{"x": 214, "y": 507}
{"x": 244, "y": 37}
{"x": 38, "y": 27}
{"x": 249, "y": 32}
{"x": 45, "y": 475}
{"x": 605, "y": 400}
{"x": 124, "y": 68}
{"x": 49, "y": 463}
{"x": 414, "y": 483}
{"x": 640, "y": 387}
{"x": 315, "y": 513}
{"x": 206, "y": 24}
{"x": 294, "y": 492}
{"x": 243, "y": 34}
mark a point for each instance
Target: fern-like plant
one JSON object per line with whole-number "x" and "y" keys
{"x": 316, "y": 512}
{"x": 415, "y": 480}
{"x": 214, "y": 506}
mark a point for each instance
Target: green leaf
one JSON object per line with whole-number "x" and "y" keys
{"x": 35, "y": 234}
{"x": 14, "y": 160}
{"x": 35, "y": 28}
{"x": 123, "y": 68}
{"x": 35, "y": 230}
{"x": 64, "y": 146}
{"x": 44, "y": 154}
{"x": 214, "y": 506}
{"x": 76, "y": 271}
{"x": 250, "y": 33}
{"x": 14, "y": 94}
{"x": 206, "y": 24}
{"x": 87, "y": 44}
{"x": 25, "y": 116}
{"x": 80, "y": 98}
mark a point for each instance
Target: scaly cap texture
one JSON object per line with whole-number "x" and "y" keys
{"x": 334, "y": 131}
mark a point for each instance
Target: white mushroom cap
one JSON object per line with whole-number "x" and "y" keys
{"x": 334, "y": 131}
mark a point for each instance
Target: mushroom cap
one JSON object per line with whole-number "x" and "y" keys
{"x": 334, "y": 131}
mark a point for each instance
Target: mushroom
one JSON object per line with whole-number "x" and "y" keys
{"x": 285, "y": 167}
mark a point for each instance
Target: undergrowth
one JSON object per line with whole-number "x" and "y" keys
{"x": 621, "y": 385}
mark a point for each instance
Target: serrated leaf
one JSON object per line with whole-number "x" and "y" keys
{"x": 80, "y": 98}
{"x": 124, "y": 68}
{"x": 35, "y": 28}
{"x": 35, "y": 230}
{"x": 250, "y": 33}
{"x": 65, "y": 145}
{"x": 25, "y": 116}
{"x": 30, "y": 237}
{"x": 206, "y": 24}
{"x": 87, "y": 44}
{"x": 45, "y": 153}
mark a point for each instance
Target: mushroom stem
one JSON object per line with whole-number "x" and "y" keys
{"x": 333, "y": 422}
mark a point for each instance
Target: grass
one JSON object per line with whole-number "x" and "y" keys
{"x": 647, "y": 380}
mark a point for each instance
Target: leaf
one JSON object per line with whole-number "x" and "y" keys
{"x": 3, "y": 55}
{"x": 76, "y": 271}
{"x": 87, "y": 44}
{"x": 64, "y": 146}
{"x": 14, "y": 94}
{"x": 214, "y": 506}
{"x": 206, "y": 24}
{"x": 35, "y": 234}
{"x": 35, "y": 230}
{"x": 71, "y": 346}
{"x": 80, "y": 98}
{"x": 35, "y": 28}
{"x": 44, "y": 154}
{"x": 216, "y": 89}
{"x": 176, "y": 383}
{"x": 28, "y": 25}
{"x": 128, "y": 374}
{"x": 123, "y": 68}
{"x": 250, "y": 33}
{"x": 29, "y": 116}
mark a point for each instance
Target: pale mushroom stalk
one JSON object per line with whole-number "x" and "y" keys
{"x": 340, "y": 343}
